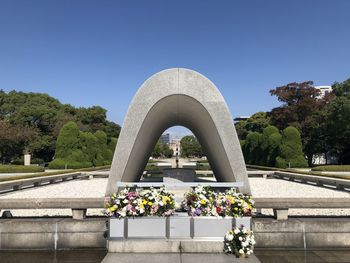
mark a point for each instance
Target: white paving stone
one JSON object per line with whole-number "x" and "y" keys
{"x": 96, "y": 188}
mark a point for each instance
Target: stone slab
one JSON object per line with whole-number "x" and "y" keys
{"x": 176, "y": 258}
{"x": 81, "y": 240}
{"x": 143, "y": 246}
{"x": 204, "y": 246}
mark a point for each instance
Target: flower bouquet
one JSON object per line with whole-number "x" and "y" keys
{"x": 199, "y": 201}
{"x": 132, "y": 202}
{"x": 239, "y": 241}
{"x": 234, "y": 204}
{"x": 136, "y": 213}
{"x": 203, "y": 201}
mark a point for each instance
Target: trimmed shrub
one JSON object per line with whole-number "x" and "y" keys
{"x": 21, "y": 169}
{"x": 290, "y": 150}
{"x": 271, "y": 140}
{"x": 76, "y": 149}
{"x": 252, "y": 150}
{"x": 112, "y": 144}
{"x": 67, "y": 140}
{"x": 104, "y": 155}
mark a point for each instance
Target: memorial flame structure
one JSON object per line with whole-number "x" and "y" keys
{"x": 172, "y": 97}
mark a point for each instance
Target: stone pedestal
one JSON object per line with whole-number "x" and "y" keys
{"x": 27, "y": 158}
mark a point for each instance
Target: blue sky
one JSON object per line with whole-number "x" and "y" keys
{"x": 99, "y": 52}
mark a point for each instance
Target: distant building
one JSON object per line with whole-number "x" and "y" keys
{"x": 175, "y": 145}
{"x": 241, "y": 118}
{"x": 324, "y": 90}
{"x": 320, "y": 159}
{"x": 165, "y": 138}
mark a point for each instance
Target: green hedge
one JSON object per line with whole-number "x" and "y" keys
{"x": 202, "y": 161}
{"x": 16, "y": 177}
{"x": 297, "y": 171}
{"x": 63, "y": 164}
{"x": 332, "y": 168}
{"x": 264, "y": 168}
{"x": 21, "y": 169}
{"x": 203, "y": 166}
{"x": 152, "y": 167}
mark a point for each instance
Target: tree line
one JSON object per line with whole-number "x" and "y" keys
{"x": 323, "y": 123}
{"x": 31, "y": 123}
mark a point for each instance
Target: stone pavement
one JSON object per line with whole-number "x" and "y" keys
{"x": 96, "y": 256}
{"x": 175, "y": 258}
{"x": 300, "y": 256}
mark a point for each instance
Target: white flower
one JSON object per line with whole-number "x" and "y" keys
{"x": 229, "y": 237}
{"x": 123, "y": 213}
{"x": 240, "y": 238}
{"x": 236, "y": 231}
{"x": 241, "y": 251}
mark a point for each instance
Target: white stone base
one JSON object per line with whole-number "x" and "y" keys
{"x": 176, "y": 258}
{"x": 165, "y": 246}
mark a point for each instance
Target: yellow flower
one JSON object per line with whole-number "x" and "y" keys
{"x": 113, "y": 208}
{"x": 203, "y": 202}
{"x": 231, "y": 199}
{"x": 142, "y": 206}
{"x": 165, "y": 199}
{"x": 144, "y": 202}
{"x": 150, "y": 203}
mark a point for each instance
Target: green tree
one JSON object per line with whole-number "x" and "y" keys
{"x": 89, "y": 145}
{"x": 252, "y": 148}
{"x": 338, "y": 129}
{"x": 78, "y": 149}
{"x": 14, "y": 140}
{"x": 301, "y": 107}
{"x": 68, "y": 140}
{"x": 256, "y": 123}
{"x": 112, "y": 144}
{"x": 290, "y": 150}
{"x": 162, "y": 150}
{"x": 342, "y": 89}
{"x": 104, "y": 154}
{"x": 190, "y": 147}
{"x": 46, "y": 116}
{"x": 271, "y": 140}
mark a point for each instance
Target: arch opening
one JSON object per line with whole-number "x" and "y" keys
{"x": 190, "y": 114}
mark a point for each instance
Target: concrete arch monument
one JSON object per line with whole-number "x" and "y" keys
{"x": 178, "y": 96}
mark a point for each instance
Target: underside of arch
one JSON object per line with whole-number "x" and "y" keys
{"x": 214, "y": 130}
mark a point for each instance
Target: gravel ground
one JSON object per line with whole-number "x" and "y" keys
{"x": 260, "y": 188}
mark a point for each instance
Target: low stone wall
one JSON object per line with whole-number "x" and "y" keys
{"x": 52, "y": 233}
{"x": 66, "y": 233}
{"x": 302, "y": 233}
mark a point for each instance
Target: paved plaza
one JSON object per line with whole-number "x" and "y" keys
{"x": 260, "y": 187}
